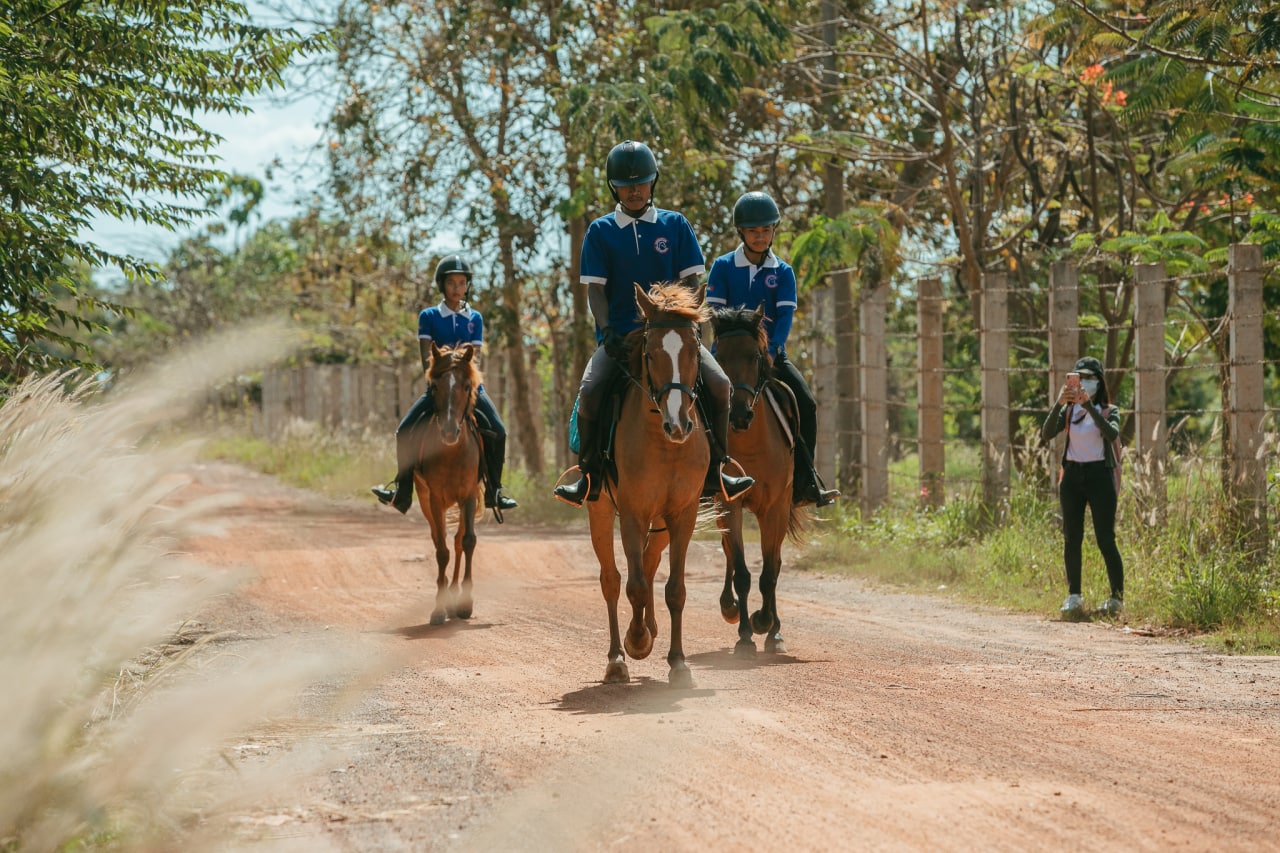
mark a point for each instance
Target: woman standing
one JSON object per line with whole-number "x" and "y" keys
{"x": 1085, "y": 413}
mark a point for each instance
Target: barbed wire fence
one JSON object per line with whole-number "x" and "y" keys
{"x": 903, "y": 413}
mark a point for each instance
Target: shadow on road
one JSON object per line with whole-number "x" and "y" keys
{"x": 641, "y": 696}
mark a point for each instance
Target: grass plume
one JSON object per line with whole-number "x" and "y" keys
{"x": 108, "y": 733}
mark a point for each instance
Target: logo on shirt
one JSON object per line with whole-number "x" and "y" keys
{"x": 662, "y": 245}
{"x": 471, "y": 330}
{"x": 771, "y": 281}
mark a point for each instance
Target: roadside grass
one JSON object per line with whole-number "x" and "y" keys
{"x": 121, "y": 708}
{"x": 1187, "y": 570}
{"x": 1186, "y": 575}
{"x": 347, "y": 465}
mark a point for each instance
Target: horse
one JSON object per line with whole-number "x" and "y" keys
{"x": 761, "y": 444}
{"x": 448, "y": 472}
{"x": 661, "y": 454}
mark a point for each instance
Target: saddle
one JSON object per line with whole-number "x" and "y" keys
{"x": 783, "y": 402}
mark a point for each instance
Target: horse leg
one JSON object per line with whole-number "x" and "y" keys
{"x": 737, "y": 571}
{"x": 638, "y": 641}
{"x": 728, "y": 601}
{"x": 600, "y": 515}
{"x": 681, "y": 531}
{"x": 464, "y": 545}
{"x": 653, "y": 549}
{"x": 773, "y": 530}
{"x": 435, "y": 513}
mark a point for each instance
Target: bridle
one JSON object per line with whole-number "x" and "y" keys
{"x": 647, "y": 388}
{"x": 762, "y": 376}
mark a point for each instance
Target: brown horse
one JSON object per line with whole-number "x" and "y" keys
{"x": 661, "y": 454}
{"x": 759, "y": 442}
{"x": 448, "y": 472}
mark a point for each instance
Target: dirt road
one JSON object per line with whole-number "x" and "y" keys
{"x": 896, "y": 722}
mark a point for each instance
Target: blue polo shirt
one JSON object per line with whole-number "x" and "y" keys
{"x": 735, "y": 282}
{"x": 449, "y": 328}
{"x": 620, "y": 250}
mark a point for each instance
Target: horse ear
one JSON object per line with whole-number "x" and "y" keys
{"x": 646, "y": 304}
{"x": 468, "y": 350}
{"x": 435, "y": 351}
{"x": 758, "y": 314}
{"x": 700, "y": 295}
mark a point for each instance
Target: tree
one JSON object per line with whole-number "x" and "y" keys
{"x": 100, "y": 108}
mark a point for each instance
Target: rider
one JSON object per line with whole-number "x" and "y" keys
{"x": 451, "y": 323}
{"x": 638, "y": 243}
{"x": 751, "y": 276}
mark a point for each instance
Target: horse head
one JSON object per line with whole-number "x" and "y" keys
{"x": 742, "y": 350}
{"x": 453, "y": 378}
{"x": 667, "y": 356}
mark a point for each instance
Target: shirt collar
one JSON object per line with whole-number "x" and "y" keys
{"x": 446, "y": 311}
{"x": 740, "y": 259}
{"x": 624, "y": 219}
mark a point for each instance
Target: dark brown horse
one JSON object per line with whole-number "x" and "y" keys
{"x": 763, "y": 447}
{"x": 661, "y": 454}
{"x": 448, "y": 472}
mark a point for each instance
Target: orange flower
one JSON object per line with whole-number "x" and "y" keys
{"x": 1247, "y": 199}
{"x": 1091, "y": 74}
{"x": 1120, "y": 98}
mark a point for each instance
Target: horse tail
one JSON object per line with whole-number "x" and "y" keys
{"x": 798, "y": 525}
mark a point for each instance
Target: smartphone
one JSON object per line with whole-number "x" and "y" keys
{"x": 1073, "y": 381}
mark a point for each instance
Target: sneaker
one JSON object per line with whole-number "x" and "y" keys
{"x": 1111, "y": 607}
{"x": 1074, "y": 604}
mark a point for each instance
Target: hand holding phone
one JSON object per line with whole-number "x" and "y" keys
{"x": 1072, "y": 392}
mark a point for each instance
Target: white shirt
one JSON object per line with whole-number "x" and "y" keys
{"x": 1084, "y": 439}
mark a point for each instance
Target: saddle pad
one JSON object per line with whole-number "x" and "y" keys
{"x": 771, "y": 393}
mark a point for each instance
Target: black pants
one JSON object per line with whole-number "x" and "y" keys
{"x": 808, "y": 407}
{"x": 1089, "y": 483}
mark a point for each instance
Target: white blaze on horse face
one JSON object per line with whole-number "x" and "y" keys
{"x": 449, "y": 418}
{"x": 671, "y": 345}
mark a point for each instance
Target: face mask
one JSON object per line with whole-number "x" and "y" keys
{"x": 1090, "y": 387}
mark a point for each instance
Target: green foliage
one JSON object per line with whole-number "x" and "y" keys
{"x": 98, "y": 117}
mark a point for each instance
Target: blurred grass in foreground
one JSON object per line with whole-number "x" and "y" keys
{"x": 113, "y": 738}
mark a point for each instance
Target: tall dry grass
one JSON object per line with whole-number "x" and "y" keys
{"x": 110, "y": 737}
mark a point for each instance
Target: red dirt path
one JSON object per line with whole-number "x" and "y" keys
{"x": 896, "y": 722}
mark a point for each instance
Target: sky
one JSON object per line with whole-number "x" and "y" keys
{"x": 274, "y": 131}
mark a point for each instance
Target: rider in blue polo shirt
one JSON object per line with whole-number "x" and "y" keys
{"x": 751, "y": 276}
{"x": 641, "y": 244}
{"x": 450, "y": 324}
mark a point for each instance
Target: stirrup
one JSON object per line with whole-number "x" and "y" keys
{"x": 739, "y": 485}
{"x": 574, "y": 494}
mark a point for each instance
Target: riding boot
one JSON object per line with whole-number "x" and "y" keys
{"x": 806, "y": 485}
{"x": 401, "y": 497}
{"x": 495, "y": 497}
{"x": 731, "y": 487}
{"x": 587, "y": 487}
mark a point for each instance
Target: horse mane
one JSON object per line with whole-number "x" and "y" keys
{"x": 726, "y": 320}
{"x": 453, "y": 358}
{"x": 675, "y": 299}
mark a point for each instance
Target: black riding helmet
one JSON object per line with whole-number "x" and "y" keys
{"x": 452, "y": 264}
{"x": 628, "y": 164}
{"x": 754, "y": 210}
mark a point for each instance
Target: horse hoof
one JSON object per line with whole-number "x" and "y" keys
{"x": 463, "y": 612}
{"x": 775, "y": 646}
{"x": 681, "y": 677}
{"x": 729, "y": 612}
{"x": 744, "y": 649}
{"x": 638, "y": 647}
{"x": 616, "y": 673}
{"x": 761, "y": 623}
{"x": 438, "y": 618}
